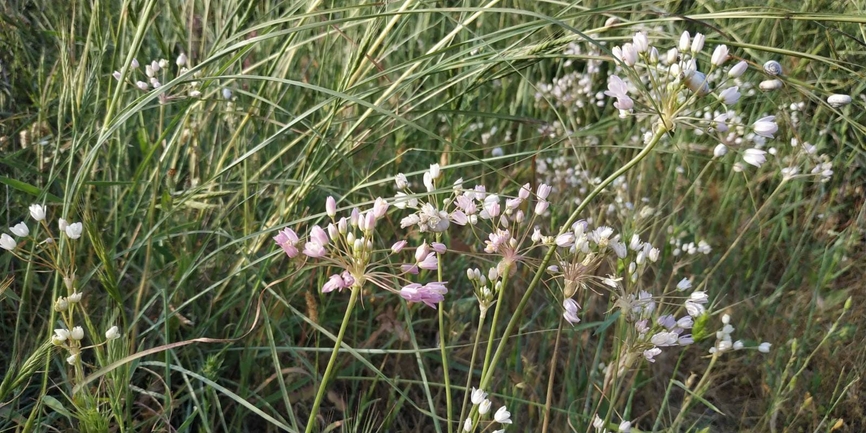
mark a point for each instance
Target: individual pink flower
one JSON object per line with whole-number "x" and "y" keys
{"x": 430, "y": 294}
{"x": 439, "y": 247}
{"x": 287, "y": 239}
{"x": 398, "y": 246}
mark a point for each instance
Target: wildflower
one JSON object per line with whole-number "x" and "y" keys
{"x": 72, "y": 359}
{"x": 331, "y": 207}
{"x": 773, "y": 68}
{"x": 627, "y": 54}
{"x": 61, "y": 334}
{"x": 838, "y": 100}
{"x": 764, "y": 347}
{"x": 116, "y": 75}
{"x": 565, "y": 240}
{"x": 616, "y": 88}
{"x": 467, "y": 425}
{"x": 141, "y": 85}
{"x": 401, "y": 181}
{"x": 698, "y": 43}
{"x": 685, "y": 42}
{"x": 624, "y": 427}
{"x": 439, "y": 247}
{"x": 20, "y": 230}
{"x": 684, "y": 284}
{"x": 478, "y": 395}
{"x": 502, "y": 416}
{"x": 640, "y": 41}
{"x": 61, "y": 304}
{"x": 113, "y": 333}
{"x": 720, "y": 55}
{"x": 287, "y": 239}
{"x": 335, "y": 282}
{"x": 720, "y": 150}
{"x": 650, "y": 354}
{"x": 181, "y": 60}
{"x": 664, "y": 338}
{"x": 77, "y": 333}
{"x": 541, "y": 207}
{"x": 730, "y": 95}
{"x": 37, "y": 212}
{"x": 738, "y": 345}
{"x": 398, "y": 246}
{"x": 737, "y": 70}
{"x": 435, "y": 171}
{"x": 694, "y": 309}
{"x": 770, "y": 85}
{"x": 134, "y": 64}
{"x": 697, "y": 82}
{"x": 754, "y": 157}
{"x": 7, "y": 242}
{"x": 430, "y": 294}
{"x": 192, "y": 94}
{"x": 766, "y": 126}
{"x": 571, "y": 308}
{"x": 227, "y": 93}
{"x": 484, "y": 407}
{"x": 653, "y": 56}
{"x": 75, "y": 298}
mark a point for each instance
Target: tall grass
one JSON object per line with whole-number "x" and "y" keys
{"x": 301, "y": 100}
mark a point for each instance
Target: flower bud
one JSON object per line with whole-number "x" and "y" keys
{"x": 737, "y": 70}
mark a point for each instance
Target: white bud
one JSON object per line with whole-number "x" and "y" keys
{"x": 720, "y": 150}
{"x": 181, "y": 60}
{"x": 738, "y": 69}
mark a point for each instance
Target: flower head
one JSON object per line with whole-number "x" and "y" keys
{"x": 502, "y": 416}
{"x": 754, "y": 157}
{"x": 37, "y": 212}
{"x": 287, "y": 239}
{"x": 7, "y": 242}
{"x": 20, "y": 230}
{"x": 74, "y": 230}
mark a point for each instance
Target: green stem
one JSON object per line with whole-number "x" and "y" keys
{"x": 472, "y": 366}
{"x": 512, "y": 324}
{"x": 550, "y": 379}
{"x": 492, "y": 334}
{"x": 442, "y": 348}
{"x": 699, "y": 390}
{"x": 329, "y": 370}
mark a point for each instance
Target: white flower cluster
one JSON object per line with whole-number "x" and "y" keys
{"x": 479, "y": 398}
{"x": 156, "y": 70}
{"x": 576, "y": 89}
{"x": 724, "y": 342}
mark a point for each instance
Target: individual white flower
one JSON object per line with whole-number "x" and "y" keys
{"x": 331, "y": 207}
{"x": 77, "y": 333}
{"x": 134, "y": 64}
{"x": 653, "y": 56}
{"x": 766, "y": 126}
{"x": 74, "y": 230}
{"x": 737, "y": 70}
{"x": 764, "y": 347}
{"x": 484, "y": 407}
{"x": 770, "y": 85}
{"x": 726, "y": 319}
{"x": 650, "y": 354}
{"x": 72, "y": 359}
{"x": 838, "y": 100}
{"x": 61, "y": 334}
{"x": 738, "y": 345}
{"x": 61, "y": 304}
{"x": 720, "y": 55}
{"x": 640, "y": 41}
{"x": 698, "y": 43}
{"x": 227, "y": 93}
{"x": 75, "y": 297}
{"x": 755, "y": 157}
{"x": 624, "y": 427}
{"x": 435, "y": 171}
{"x": 401, "y": 181}
{"x": 720, "y": 150}
{"x": 684, "y": 284}
{"x": 113, "y": 333}
{"x": 685, "y": 42}
{"x": 628, "y": 54}
{"x": 194, "y": 94}
{"x": 730, "y": 95}
{"x": 181, "y": 60}
{"x": 7, "y": 242}
{"x": 503, "y": 416}
{"x": 697, "y": 82}
{"x": 37, "y": 212}
{"x": 467, "y": 425}
{"x": 141, "y": 85}
{"x": 162, "y": 63}
{"x": 478, "y": 395}
{"x": 20, "y": 230}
